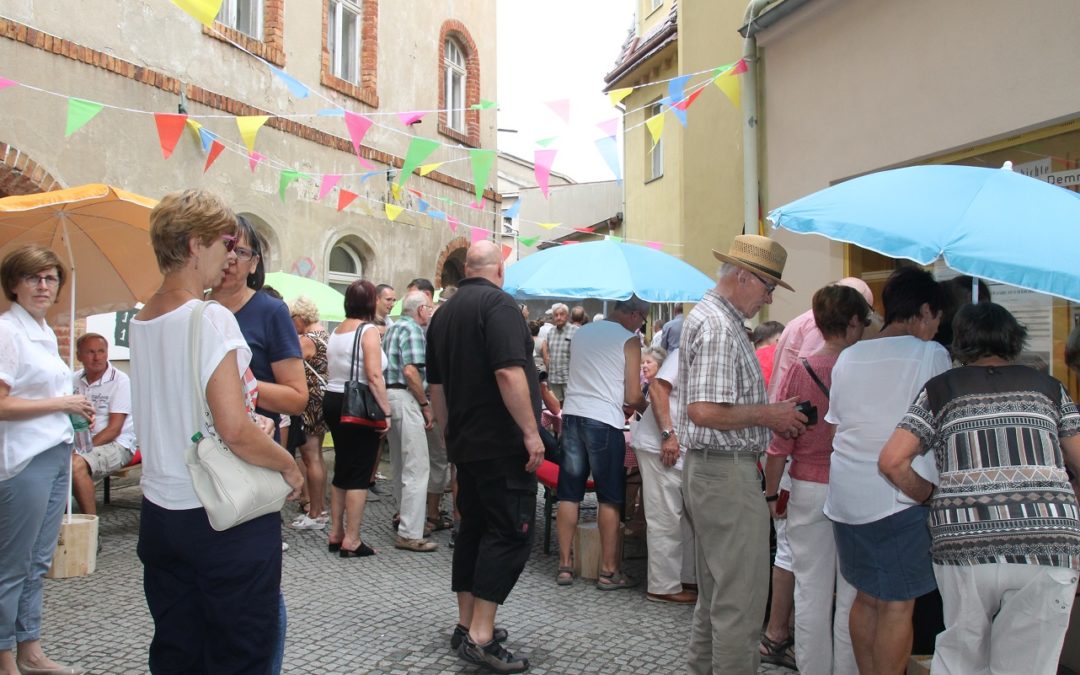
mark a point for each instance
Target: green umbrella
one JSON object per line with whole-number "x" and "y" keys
{"x": 330, "y": 301}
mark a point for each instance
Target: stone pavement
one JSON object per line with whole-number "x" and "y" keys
{"x": 391, "y": 613}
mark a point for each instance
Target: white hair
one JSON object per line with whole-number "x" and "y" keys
{"x": 559, "y": 306}
{"x": 413, "y": 301}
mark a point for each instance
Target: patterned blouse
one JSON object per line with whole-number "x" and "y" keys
{"x": 314, "y": 423}
{"x": 1003, "y": 495}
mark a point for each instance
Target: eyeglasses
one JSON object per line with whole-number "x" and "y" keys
{"x": 37, "y": 279}
{"x": 769, "y": 286}
{"x": 230, "y": 241}
{"x": 244, "y": 254}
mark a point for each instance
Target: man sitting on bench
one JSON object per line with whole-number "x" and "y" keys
{"x": 109, "y": 391}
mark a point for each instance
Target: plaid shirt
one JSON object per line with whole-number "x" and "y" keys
{"x": 558, "y": 343}
{"x": 717, "y": 364}
{"x": 405, "y": 345}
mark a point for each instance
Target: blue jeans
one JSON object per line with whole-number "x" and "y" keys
{"x": 590, "y": 445}
{"x": 279, "y": 647}
{"x": 31, "y": 507}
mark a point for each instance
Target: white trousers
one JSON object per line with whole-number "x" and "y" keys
{"x": 671, "y": 540}
{"x": 822, "y": 640}
{"x": 1002, "y": 618}
{"x": 408, "y": 461}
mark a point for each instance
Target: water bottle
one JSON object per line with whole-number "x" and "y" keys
{"x": 84, "y": 442}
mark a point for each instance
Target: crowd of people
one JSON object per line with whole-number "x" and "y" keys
{"x": 893, "y": 454}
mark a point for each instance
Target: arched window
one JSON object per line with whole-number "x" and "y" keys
{"x": 455, "y": 76}
{"x": 345, "y": 266}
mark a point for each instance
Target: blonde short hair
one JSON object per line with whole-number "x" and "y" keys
{"x": 25, "y": 260}
{"x": 305, "y": 309}
{"x": 182, "y": 215}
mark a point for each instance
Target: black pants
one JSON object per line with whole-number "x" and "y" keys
{"x": 213, "y": 595}
{"x": 497, "y": 502}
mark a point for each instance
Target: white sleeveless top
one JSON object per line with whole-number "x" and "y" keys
{"x": 339, "y": 353}
{"x": 595, "y": 388}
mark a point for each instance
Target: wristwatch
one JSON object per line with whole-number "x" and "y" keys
{"x": 772, "y": 498}
{"x": 667, "y": 433}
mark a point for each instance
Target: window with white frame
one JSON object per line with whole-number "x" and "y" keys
{"x": 343, "y": 39}
{"x": 454, "y": 59}
{"x": 654, "y": 154}
{"x": 346, "y": 266}
{"x": 245, "y": 16}
{"x": 655, "y": 5}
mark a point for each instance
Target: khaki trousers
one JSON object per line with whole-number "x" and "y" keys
{"x": 671, "y": 541}
{"x": 408, "y": 461}
{"x": 730, "y": 520}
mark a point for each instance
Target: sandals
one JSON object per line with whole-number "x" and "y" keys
{"x": 416, "y": 545}
{"x": 434, "y": 524}
{"x": 565, "y": 576}
{"x": 613, "y": 581}
{"x": 361, "y": 551}
{"x": 778, "y": 653}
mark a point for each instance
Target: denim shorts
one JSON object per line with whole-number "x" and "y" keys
{"x": 888, "y": 559}
{"x": 591, "y": 445}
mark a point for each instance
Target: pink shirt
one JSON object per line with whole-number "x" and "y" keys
{"x": 800, "y": 338}
{"x": 766, "y": 356}
{"x": 809, "y": 452}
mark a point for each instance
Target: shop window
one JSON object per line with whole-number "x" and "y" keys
{"x": 343, "y": 38}
{"x": 654, "y": 154}
{"x": 345, "y": 267}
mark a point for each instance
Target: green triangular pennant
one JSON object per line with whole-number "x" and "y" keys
{"x": 419, "y": 150}
{"x": 79, "y": 113}
{"x": 288, "y": 176}
{"x": 528, "y": 241}
{"x": 482, "y": 161}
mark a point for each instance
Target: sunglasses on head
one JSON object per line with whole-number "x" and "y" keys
{"x": 230, "y": 241}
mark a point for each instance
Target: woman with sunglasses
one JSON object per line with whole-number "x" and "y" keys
{"x": 214, "y": 596}
{"x": 35, "y": 452}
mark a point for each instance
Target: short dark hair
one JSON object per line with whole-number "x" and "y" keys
{"x": 422, "y": 284}
{"x": 259, "y": 247}
{"x": 382, "y": 287}
{"x": 577, "y": 314}
{"x": 360, "y": 300}
{"x": 272, "y": 292}
{"x": 29, "y": 259}
{"x": 766, "y": 330}
{"x": 834, "y": 305}
{"x": 957, "y": 293}
{"x": 986, "y": 329}
{"x": 908, "y": 289}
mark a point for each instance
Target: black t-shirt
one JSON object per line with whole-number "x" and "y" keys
{"x": 477, "y": 332}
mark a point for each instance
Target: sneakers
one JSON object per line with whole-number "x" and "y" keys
{"x": 306, "y": 522}
{"x": 461, "y": 632}
{"x": 492, "y": 657}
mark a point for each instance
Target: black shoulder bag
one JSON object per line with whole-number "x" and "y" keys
{"x": 359, "y": 406}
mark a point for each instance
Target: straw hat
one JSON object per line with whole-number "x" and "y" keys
{"x": 757, "y": 254}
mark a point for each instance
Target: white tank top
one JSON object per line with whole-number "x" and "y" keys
{"x": 339, "y": 352}
{"x": 596, "y": 386}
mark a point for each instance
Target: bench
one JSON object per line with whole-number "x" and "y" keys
{"x": 548, "y": 476}
{"x": 121, "y": 472}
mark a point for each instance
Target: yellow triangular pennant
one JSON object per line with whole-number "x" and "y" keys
{"x": 249, "y": 126}
{"x": 393, "y": 211}
{"x": 425, "y": 169}
{"x": 656, "y": 127}
{"x": 395, "y": 190}
{"x": 203, "y": 11}
{"x": 617, "y": 95}
{"x": 729, "y": 84}
{"x": 549, "y": 226}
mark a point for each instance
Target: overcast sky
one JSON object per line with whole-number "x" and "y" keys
{"x": 558, "y": 49}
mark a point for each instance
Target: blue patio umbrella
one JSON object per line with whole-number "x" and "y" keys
{"x": 606, "y": 270}
{"x": 990, "y": 223}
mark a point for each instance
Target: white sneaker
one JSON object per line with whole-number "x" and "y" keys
{"x": 284, "y": 547}
{"x": 323, "y": 518}
{"x": 306, "y": 522}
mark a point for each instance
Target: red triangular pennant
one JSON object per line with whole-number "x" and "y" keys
{"x": 506, "y": 251}
{"x": 169, "y": 128}
{"x": 345, "y": 198}
{"x": 215, "y": 149}
{"x": 588, "y": 230}
{"x": 686, "y": 102}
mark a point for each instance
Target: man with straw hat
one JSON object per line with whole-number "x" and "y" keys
{"x": 725, "y": 423}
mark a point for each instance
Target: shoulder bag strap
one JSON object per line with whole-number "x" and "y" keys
{"x": 198, "y": 394}
{"x": 354, "y": 369}
{"x": 813, "y": 375}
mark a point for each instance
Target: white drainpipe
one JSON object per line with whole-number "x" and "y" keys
{"x": 751, "y": 177}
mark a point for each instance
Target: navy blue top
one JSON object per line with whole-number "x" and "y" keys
{"x": 271, "y": 335}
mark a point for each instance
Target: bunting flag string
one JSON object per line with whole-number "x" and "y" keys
{"x": 249, "y": 126}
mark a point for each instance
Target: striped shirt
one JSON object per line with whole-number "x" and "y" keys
{"x": 1003, "y": 495}
{"x": 717, "y": 364}
{"x": 405, "y": 345}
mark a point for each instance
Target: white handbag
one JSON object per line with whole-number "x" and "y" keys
{"x": 231, "y": 490}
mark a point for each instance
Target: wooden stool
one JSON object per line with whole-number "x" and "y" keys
{"x": 587, "y": 552}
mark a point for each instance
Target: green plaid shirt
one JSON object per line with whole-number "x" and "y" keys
{"x": 405, "y": 345}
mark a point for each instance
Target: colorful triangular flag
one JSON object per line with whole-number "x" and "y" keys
{"x": 655, "y": 125}
{"x": 689, "y": 100}
{"x": 608, "y": 148}
{"x": 544, "y": 142}
{"x": 655, "y": 245}
{"x": 79, "y": 113}
{"x": 676, "y": 93}
{"x": 5, "y": 83}
{"x": 298, "y": 88}
{"x": 478, "y": 234}
{"x": 344, "y": 198}
{"x": 542, "y": 161}
{"x": 169, "y": 129}
{"x": 484, "y": 104}
{"x": 204, "y": 11}
{"x": 254, "y": 158}
{"x": 482, "y": 161}
{"x": 729, "y": 84}
{"x": 249, "y": 126}
{"x": 617, "y": 95}
{"x": 393, "y": 210}
{"x": 357, "y": 126}
{"x": 425, "y": 169}
{"x": 528, "y": 241}
{"x": 613, "y": 239}
{"x": 419, "y": 150}
{"x": 216, "y": 147}
{"x": 410, "y": 118}
{"x": 610, "y": 127}
{"x": 514, "y": 210}
{"x": 453, "y": 223}
{"x": 329, "y": 180}
{"x": 561, "y": 108}
{"x": 506, "y": 251}
{"x": 548, "y": 226}
{"x": 287, "y": 177}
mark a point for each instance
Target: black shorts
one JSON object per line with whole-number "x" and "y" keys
{"x": 355, "y": 447}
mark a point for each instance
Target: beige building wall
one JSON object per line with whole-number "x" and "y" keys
{"x": 122, "y": 148}
{"x": 854, "y": 86}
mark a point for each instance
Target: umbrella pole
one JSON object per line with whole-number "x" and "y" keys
{"x": 974, "y": 290}
{"x": 71, "y": 343}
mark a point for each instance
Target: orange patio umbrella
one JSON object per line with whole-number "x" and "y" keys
{"x": 103, "y": 236}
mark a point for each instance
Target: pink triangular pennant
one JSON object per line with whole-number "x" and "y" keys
{"x": 738, "y": 69}
{"x": 610, "y": 127}
{"x": 542, "y": 161}
{"x": 587, "y": 230}
{"x": 655, "y": 245}
{"x": 561, "y": 108}
{"x": 329, "y": 180}
{"x": 215, "y": 149}
{"x": 344, "y": 198}
{"x": 169, "y": 128}
{"x": 5, "y": 83}
{"x": 453, "y": 223}
{"x": 409, "y": 118}
{"x": 478, "y": 206}
{"x": 478, "y": 234}
{"x": 358, "y": 126}
{"x": 254, "y": 158}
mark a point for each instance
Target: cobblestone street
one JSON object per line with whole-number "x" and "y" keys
{"x": 388, "y": 614}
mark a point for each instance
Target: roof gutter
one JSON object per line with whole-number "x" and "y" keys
{"x": 759, "y": 15}
{"x": 642, "y": 52}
